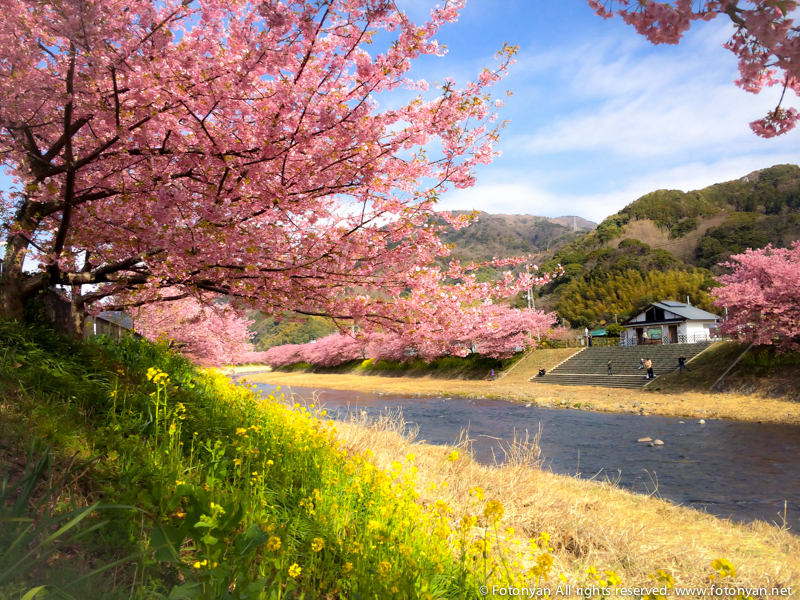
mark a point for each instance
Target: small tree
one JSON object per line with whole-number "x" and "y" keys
{"x": 761, "y": 295}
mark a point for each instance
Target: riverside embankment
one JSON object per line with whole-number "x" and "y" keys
{"x": 731, "y": 469}
{"x": 517, "y": 388}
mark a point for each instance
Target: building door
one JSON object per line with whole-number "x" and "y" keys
{"x": 639, "y": 332}
{"x": 673, "y": 334}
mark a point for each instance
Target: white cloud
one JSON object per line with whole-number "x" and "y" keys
{"x": 633, "y": 105}
{"x": 600, "y": 125}
{"x": 525, "y": 196}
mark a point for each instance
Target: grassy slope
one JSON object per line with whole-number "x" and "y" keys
{"x": 473, "y": 367}
{"x": 706, "y": 369}
{"x": 761, "y": 373}
{"x": 233, "y": 493}
{"x": 334, "y": 510}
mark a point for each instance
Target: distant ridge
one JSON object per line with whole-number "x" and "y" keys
{"x": 502, "y": 235}
{"x": 566, "y": 221}
{"x": 569, "y": 221}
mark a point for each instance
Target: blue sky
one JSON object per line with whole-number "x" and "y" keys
{"x": 600, "y": 116}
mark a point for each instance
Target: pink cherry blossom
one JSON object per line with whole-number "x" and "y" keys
{"x": 761, "y": 295}
{"x": 239, "y": 149}
{"x": 208, "y": 333}
{"x": 765, "y": 41}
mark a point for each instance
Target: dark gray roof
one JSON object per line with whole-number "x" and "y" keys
{"x": 686, "y": 311}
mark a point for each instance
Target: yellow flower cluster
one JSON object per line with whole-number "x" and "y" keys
{"x": 274, "y": 544}
{"x": 157, "y": 376}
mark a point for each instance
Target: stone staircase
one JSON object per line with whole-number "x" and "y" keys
{"x": 589, "y": 367}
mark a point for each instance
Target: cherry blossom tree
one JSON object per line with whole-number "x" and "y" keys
{"x": 285, "y": 355}
{"x": 765, "y": 42}
{"x": 761, "y": 295}
{"x": 491, "y": 330}
{"x": 333, "y": 349}
{"x": 208, "y": 333}
{"x": 235, "y": 148}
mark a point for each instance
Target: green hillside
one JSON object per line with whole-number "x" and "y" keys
{"x": 668, "y": 245}
{"x": 290, "y": 329}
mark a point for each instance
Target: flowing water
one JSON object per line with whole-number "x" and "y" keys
{"x": 734, "y": 469}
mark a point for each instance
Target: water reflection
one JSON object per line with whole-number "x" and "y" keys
{"x": 731, "y": 469}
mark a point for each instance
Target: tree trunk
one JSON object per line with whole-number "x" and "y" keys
{"x": 15, "y": 285}
{"x": 77, "y": 314}
{"x": 12, "y": 300}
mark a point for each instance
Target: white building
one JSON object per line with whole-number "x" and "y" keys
{"x": 669, "y": 322}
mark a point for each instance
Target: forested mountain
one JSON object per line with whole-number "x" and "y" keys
{"x": 289, "y": 329}
{"x": 668, "y": 245}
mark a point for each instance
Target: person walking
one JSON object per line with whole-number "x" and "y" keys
{"x": 492, "y": 374}
{"x": 682, "y": 364}
{"x": 641, "y": 364}
{"x": 590, "y": 340}
{"x": 609, "y": 367}
{"x": 648, "y": 364}
{"x": 644, "y": 338}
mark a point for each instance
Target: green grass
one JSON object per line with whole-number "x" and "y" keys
{"x": 216, "y": 493}
{"x": 753, "y": 372}
{"x": 706, "y": 368}
{"x": 473, "y": 366}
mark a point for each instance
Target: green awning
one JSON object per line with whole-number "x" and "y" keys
{"x": 598, "y": 333}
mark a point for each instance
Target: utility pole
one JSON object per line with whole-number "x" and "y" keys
{"x": 531, "y": 300}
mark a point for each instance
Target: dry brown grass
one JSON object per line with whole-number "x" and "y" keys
{"x": 239, "y": 369}
{"x": 591, "y": 523}
{"x": 684, "y": 247}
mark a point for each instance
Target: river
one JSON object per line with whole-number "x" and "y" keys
{"x": 734, "y": 469}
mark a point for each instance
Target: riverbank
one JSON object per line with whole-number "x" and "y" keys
{"x": 696, "y": 405}
{"x": 590, "y": 523}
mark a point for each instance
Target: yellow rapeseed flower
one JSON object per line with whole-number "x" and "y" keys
{"x": 295, "y": 570}
{"x": 274, "y": 544}
{"x": 477, "y": 492}
{"x": 494, "y": 511}
{"x": 384, "y": 568}
{"x": 317, "y": 544}
{"x": 453, "y": 456}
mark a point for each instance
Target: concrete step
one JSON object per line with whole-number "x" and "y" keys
{"x": 590, "y": 367}
{"x": 609, "y": 381}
